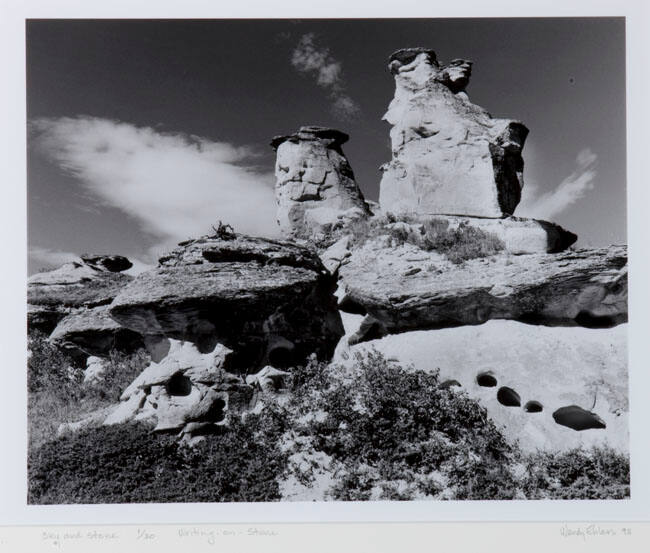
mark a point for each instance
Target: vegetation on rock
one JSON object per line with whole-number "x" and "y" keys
{"x": 458, "y": 244}
{"x": 57, "y": 392}
{"x": 380, "y": 431}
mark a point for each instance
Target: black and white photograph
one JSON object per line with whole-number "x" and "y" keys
{"x": 321, "y": 260}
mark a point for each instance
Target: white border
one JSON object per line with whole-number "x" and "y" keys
{"x": 13, "y": 298}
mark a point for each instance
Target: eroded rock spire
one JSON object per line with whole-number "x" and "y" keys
{"x": 315, "y": 187}
{"x": 449, "y": 156}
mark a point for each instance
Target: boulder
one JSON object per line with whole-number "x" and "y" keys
{"x": 571, "y": 382}
{"x": 270, "y": 302}
{"x": 406, "y": 288}
{"x": 112, "y": 263}
{"x": 54, "y": 294}
{"x": 449, "y": 156}
{"x": 95, "y": 370}
{"x": 187, "y": 386}
{"x": 269, "y": 379}
{"x": 93, "y": 332}
{"x": 315, "y": 187}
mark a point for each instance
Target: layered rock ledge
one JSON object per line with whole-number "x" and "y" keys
{"x": 270, "y": 302}
{"x": 94, "y": 281}
{"x": 405, "y": 288}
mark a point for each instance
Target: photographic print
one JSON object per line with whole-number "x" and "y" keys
{"x": 326, "y": 260}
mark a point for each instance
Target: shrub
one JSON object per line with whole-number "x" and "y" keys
{"x": 599, "y": 473}
{"x": 48, "y": 368}
{"x": 390, "y": 433}
{"x": 401, "y": 425}
{"x": 57, "y": 393}
{"x": 223, "y": 231}
{"x": 459, "y": 244}
{"x": 120, "y": 370}
{"x": 131, "y": 464}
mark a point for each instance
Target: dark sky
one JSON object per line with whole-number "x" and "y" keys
{"x": 233, "y": 82}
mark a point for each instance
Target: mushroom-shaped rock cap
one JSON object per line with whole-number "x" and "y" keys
{"x": 333, "y": 136}
{"x": 112, "y": 263}
{"x": 407, "y": 55}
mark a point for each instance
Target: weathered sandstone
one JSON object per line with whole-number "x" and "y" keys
{"x": 406, "y": 288}
{"x": 54, "y": 294}
{"x": 449, "y": 156}
{"x": 187, "y": 386}
{"x": 270, "y": 302}
{"x": 315, "y": 187}
{"x": 549, "y": 368}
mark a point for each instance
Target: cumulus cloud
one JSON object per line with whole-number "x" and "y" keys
{"x": 569, "y": 191}
{"x": 175, "y": 185}
{"x": 310, "y": 58}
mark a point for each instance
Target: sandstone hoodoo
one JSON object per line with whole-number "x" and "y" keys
{"x": 315, "y": 187}
{"x": 449, "y": 156}
{"x": 433, "y": 317}
{"x": 270, "y": 302}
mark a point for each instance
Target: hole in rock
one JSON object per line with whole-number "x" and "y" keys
{"x": 450, "y": 383}
{"x": 486, "y": 379}
{"x": 179, "y": 385}
{"x": 216, "y": 411}
{"x": 227, "y": 255}
{"x": 533, "y": 407}
{"x": 592, "y": 321}
{"x": 578, "y": 418}
{"x": 508, "y": 397}
{"x": 281, "y": 357}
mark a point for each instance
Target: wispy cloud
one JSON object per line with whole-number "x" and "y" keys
{"x": 175, "y": 185}
{"x": 308, "y": 57}
{"x": 569, "y": 191}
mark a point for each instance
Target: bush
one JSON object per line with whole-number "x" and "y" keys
{"x": 390, "y": 433}
{"x": 48, "y": 368}
{"x": 57, "y": 393}
{"x": 120, "y": 370}
{"x": 599, "y": 473}
{"x": 460, "y": 244}
{"x": 130, "y": 464}
{"x": 392, "y": 428}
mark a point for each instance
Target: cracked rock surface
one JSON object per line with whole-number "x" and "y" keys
{"x": 315, "y": 187}
{"x": 449, "y": 156}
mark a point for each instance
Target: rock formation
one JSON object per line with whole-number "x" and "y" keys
{"x": 270, "y": 302}
{"x": 186, "y": 390}
{"x": 226, "y": 317}
{"x": 315, "y": 187}
{"x": 409, "y": 289}
{"x": 78, "y": 285}
{"x": 93, "y": 332}
{"x": 549, "y": 368}
{"x": 449, "y": 156}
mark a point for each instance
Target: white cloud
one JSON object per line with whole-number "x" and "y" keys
{"x": 175, "y": 185}
{"x": 569, "y": 191}
{"x": 308, "y": 57}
